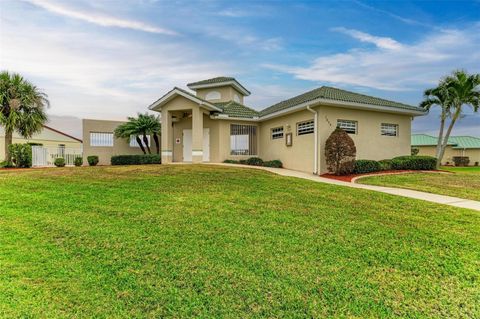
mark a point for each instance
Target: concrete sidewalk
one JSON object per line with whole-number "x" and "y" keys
{"x": 429, "y": 197}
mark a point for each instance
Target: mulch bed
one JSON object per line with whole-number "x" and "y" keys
{"x": 349, "y": 178}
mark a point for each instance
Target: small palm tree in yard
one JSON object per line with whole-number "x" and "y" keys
{"x": 453, "y": 93}
{"x": 22, "y": 108}
{"x": 140, "y": 127}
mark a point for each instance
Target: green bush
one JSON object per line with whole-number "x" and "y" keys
{"x": 366, "y": 166}
{"x": 6, "y": 164}
{"x": 385, "y": 164}
{"x": 92, "y": 160}
{"x": 415, "y": 151}
{"x": 255, "y": 161}
{"x": 78, "y": 161}
{"x": 274, "y": 163}
{"x": 414, "y": 162}
{"x": 242, "y": 161}
{"x": 229, "y": 161}
{"x": 59, "y": 162}
{"x": 21, "y": 155}
{"x": 461, "y": 160}
{"x": 136, "y": 159}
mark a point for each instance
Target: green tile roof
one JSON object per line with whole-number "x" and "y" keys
{"x": 460, "y": 142}
{"x": 218, "y": 79}
{"x": 235, "y": 109}
{"x": 335, "y": 94}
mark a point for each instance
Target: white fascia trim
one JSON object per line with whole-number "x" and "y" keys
{"x": 361, "y": 106}
{"x": 210, "y": 85}
{"x": 226, "y": 117}
{"x": 167, "y": 97}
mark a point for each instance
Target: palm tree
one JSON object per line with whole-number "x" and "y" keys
{"x": 142, "y": 126}
{"x": 22, "y": 108}
{"x": 454, "y": 91}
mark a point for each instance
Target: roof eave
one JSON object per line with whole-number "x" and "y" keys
{"x": 234, "y": 83}
{"x": 371, "y": 107}
{"x": 167, "y": 97}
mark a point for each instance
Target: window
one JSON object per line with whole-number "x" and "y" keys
{"x": 213, "y": 95}
{"x": 133, "y": 141}
{"x": 101, "y": 139}
{"x": 277, "y": 132}
{"x": 306, "y": 127}
{"x": 389, "y": 129}
{"x": 243, "y": 139}
{"x": 348, "y": 126}
{"x": 61, "y": 150}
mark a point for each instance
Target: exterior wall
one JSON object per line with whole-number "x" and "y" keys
{"x": 369, "y": 142}
{"x": 450, "y": 152}
{"x": 47, "y": 138}
{"x": 227, "y": 93}
{"x": 104, "y": 153}
{"x": 299, "y": 156}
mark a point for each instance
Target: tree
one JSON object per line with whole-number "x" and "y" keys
{"x": 140, "y": 127}
{"x": 340, "y": 152}
{"x": 453, "y": 93}
{"x": 22, "y": 108}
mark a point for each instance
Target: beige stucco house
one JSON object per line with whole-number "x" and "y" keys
{"x": 48, "y": 137}
{"x": 212, "y": 124}
{"x": 456, "y": 146}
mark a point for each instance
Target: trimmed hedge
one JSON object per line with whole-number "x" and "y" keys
{"x": 78, "y": 161}
{"x": 92, "y": 160}
{"x": 59, "y": 162}
{"x": 461, "y": 160}
{"x": 255, "y": 161}
{"x": 414, "y": 162}
{"x": 228, "y": 161}
{"x": 366, "y": 166}
{"x": 385, "y": 165}
{"x": 274, "y": 163}
{"x": 136, "y": 159}
{"x": 21, "y": 155}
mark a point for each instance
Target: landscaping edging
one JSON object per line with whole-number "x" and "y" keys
{"x": 352, "y": 178}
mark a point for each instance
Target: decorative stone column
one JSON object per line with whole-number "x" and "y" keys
{"x": 167, "y": 135}
{"x": 197, "y": 135}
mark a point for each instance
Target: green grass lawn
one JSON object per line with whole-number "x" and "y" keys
{"x": 210, "y": 242}
{"x": 463, "y": 183}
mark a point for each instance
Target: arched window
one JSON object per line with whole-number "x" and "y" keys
{"x": 213, "y": 95}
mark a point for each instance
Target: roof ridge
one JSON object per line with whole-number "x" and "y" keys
{"x": 365, "y": 95}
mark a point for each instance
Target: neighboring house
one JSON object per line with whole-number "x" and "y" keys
{"x": 456, "y": 146}
{"x": 48, "y": 137}
{"x": 99, "y": 139}
{"x": 213, "y": 124}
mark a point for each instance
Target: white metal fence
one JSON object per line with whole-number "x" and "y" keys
{"x": 45, "y": 156}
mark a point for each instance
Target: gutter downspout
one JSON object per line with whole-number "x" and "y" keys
{"x": 315, "y": 131}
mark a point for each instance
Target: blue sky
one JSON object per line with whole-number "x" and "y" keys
{"x": 111, "y": 59}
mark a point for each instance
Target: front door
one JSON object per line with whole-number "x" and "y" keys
{"x": 187, "y": 145}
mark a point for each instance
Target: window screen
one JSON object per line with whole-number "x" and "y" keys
{"x": 348, "y": 126}
{"x": 389, "y": 129}
{"x": 277, "y": 132}
{"x": 243, "y": 139}
{"x": 306, "y": 127}
{"x": 133, "y": 141}
{"x": 101, "y": 139}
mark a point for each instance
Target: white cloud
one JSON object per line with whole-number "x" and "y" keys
{"x": 98, "y": 19}
{"x": 392, "y": 65}
{"x": 381, "y": 42}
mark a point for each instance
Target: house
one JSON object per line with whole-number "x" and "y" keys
{"x": 99, "y": 139}
{"x": 212, "y": 124}
{"x": 456, "y": 146}
{"x": 48, "y": 137}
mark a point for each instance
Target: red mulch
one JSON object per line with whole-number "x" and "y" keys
{"x": 349, "y": 178}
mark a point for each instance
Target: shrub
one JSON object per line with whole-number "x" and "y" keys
{"x": 21, "y": 155}
{"x": 415, "y": 151}
{"x": 6, "y": 164}
{"x": 242, "y": 161}
{"x": 461, "y": 160}
{"x": 385, "y": 164}
{"x": 366, "y": 166}
{"x": 229, "y": 161}
{"x": 92, "y": 160}
{"x": 59, "y": 162}
{"x": 136, "y": 159}
{"x": 78, "y": 161}
{"x": 340, "y": 152}
{"x": 255, "y": 161}
{"x": 414, "y": 162}
{"x": 476, "y": 164}
{"x": 274, "y": 163}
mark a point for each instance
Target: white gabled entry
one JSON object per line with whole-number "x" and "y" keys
{"x": 187, "y": 145}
